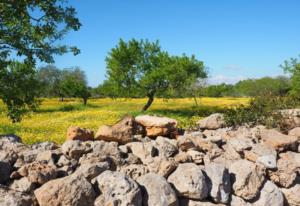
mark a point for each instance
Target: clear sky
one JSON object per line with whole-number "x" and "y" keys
{"x": 236, "y": 39}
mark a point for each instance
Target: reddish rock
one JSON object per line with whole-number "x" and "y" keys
{"x": 77, "y": 133}
{"x": 158, "y": 126}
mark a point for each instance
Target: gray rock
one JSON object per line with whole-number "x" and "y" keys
{"x": 90, "y": 171}
{"x": 134, "y": 170}
{"x": 246, "y": 178}
{"x": 75, "y": 148}
{"x": 189, "y": 202}
{"x": 145, "y": 151}
{"x": 219, "y": 187}
{"x": 14, "y": 198}
{"x": 269, "y": 161}
{"x": 70, "y": 190}
{"x": 197, "y": 157}
{"x": 237, "y": 201}
{"x": 189, "y": 181}
{"x": 118, "y": 189}
{"x": 270, "y": 195}
{"x": 157, "y": 191}
{"x": 165, "y": 147}
{"x": 162, "y": 166}
{"x": 214, "y": 121}
{"x": 23, "y": 185}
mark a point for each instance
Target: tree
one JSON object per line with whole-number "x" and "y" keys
{"x": 74, "y": 84}
{"x": 50, "y": 77}
{"x": 142, "y": 68}
{"x": 31, "y": 30}
{"x": 292, "y": 67}
{"x": 21, "y": 86}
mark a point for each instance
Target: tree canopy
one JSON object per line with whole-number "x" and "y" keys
{"x": 141, "y": 68}
{"x": 30, "y": 30}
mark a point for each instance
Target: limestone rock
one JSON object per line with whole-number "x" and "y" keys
{"x": 277, "y": 140}
{"x": 237, "y": 201}
{"x": 157, "y": 126}
{"x": 122, "y": 132}
{"x": 292, "y": 195}
{"x": 37, "y": 172}
{"x": 134, "y": 170}
{"x": 291, "y": 118}
{"x": 77, "y": 133}
{"x": 214, "y": 121}
{"x": 22, "y": 185}
{"x": 287, "y": 167}
{"x": 219, "y": 182}
{"x": 263, "y": 154}
{"x": 162, "y": 166}
{"x": 246, "y": 178}
{"x": 90, "y": 171}
{"x": 189, "y": 202}
{"x": 75, "y": 148}
{"x": 70, "y": 190}
{"x": 189, "y": 181}
{"x": 118, "y": 189}
{"x": 183, "y": 157}
{"x": 165, "y": 147}
{"x": 14, "y": 198}
{"x": 295, "y": 132}
{"x": 157, "y": 191}
{"x": 145, "y": 151}
{"x": 270, "y": 195}
{"x": 197, "y": 157}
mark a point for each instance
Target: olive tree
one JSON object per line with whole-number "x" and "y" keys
{"x": 141, "y": 68}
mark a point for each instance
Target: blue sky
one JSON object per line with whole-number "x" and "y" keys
{"x": 236, "y": 39}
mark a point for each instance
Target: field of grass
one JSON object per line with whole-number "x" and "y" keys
{"x": 51, "y": 120}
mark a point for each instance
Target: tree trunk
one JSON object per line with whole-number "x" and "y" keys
{"x": 61, "y": 99}
{"x": 195, "y": 99}
{"x": 85, "y": 101}
{"x": 149, "y": 102}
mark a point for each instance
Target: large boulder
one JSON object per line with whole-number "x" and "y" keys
{"x": 189, "y": 181}
{"x": 292, "y": 195}
{"x": 158, "y": 126}
{"x": 278, "y": 140}
{"x": 247, "y": 178}
{"x": 270, "y": 194}
{"x": 214, "y": 121}
{"x": 288, "y": 165}
{"x": 219, "y": 182}
{"x": 10, "y": 197}
{"x": 77, "y": 133}
{"x": 143, "y": 150}
{"x": 37, "y": 172}
{"x": 118, "y": 189}
{"x": 70, "y": 190}
{"x": 157, "y": 191}
{"x": 166, "y": 147}
{"x": 122, "y": 132}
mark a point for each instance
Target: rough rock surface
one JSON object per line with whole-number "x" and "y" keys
{"x": 77, "y": 133}
{"x": 189, "y": 181}
{"x": 219, "y": 182}
{"x": 157, "y": 126}
{"x": 122, "y": 132}
{"x": 214, "y": 121}
{"x": 243, "y": 166}
{"x": 292, "y": 195}
{"x": 157, "y": 191}
{"x": 118, "y": 189}
{"x": 70, "y": 190}
{"x": 14, "y": 198}
{"x": 270, "y": 195}
{"x": 246, "y": 178}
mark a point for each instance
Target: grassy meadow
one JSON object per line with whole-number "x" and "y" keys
{"x": 51, "y": 120}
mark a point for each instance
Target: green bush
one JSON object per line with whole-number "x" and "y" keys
{"x": 263, "y": 110}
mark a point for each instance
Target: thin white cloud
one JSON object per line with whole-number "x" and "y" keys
{"x": 219, "y": 79}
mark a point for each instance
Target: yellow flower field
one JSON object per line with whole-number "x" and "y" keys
{"x": 51, "y": 120}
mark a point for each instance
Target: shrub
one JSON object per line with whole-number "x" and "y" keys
{"x": 263, "y": 110}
